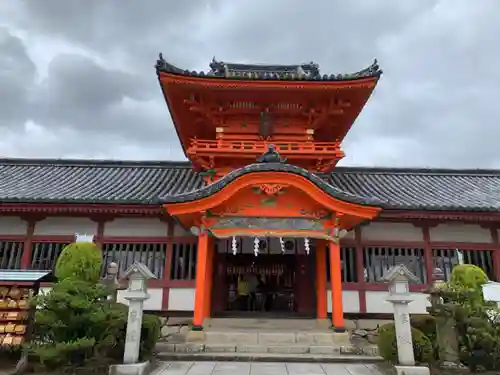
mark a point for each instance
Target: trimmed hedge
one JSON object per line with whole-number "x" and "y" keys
{"x": 79, "y": 261}
{"x": 388, "y": 348}
{"x": 425, "y": 324}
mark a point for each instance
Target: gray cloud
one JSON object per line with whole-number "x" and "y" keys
{"x": 435, "y": 104}
{"x": 17, "y": 75}
{"x": 79, "y": 94}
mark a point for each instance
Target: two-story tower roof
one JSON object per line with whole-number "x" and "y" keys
{"x": 227, "y": 117}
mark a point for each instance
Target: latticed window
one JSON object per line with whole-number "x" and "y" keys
{"x": 183, "y": 266}
{"x": 125, "y": 254}
{"x": 378, "y": 260}
{"x": 348, "y": 259}
{"x": 10, "y": 254}
{"x": 446, "y": 259}
{"x": 45, "y": 255}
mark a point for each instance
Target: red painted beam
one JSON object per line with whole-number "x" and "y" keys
{"x": 168, "y": 263}
{"x": 28, "y": 246}
{"x": 429, "y": 266}
{"x": 496, "y": 252}
{"x": 360, "y": 268}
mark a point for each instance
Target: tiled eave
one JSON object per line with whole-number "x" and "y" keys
{"x": 69, "y": 186}
{"x": 439, "y": 216}
{"x": 81, "y": 209}
{"x": 154, "y": 210}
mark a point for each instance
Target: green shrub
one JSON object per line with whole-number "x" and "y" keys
{"x": 74, "y": 314}
{"x": 79, "y": 261}
{"x": 479, "y": 338}
{"x": 468, "y": 276}
{"x": 388, "y": 349}
{"x": 76, "y": 353}
{"x": 150, "y": 332}
{"x": 425, "y": 324}
{"x": 75, "y": 324}
{"x": 477, "y": 329}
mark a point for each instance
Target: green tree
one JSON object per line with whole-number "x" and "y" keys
{"x": 75, "y": 324}
{"x": 476, "y": 322}
{"x": 79, "y": 261}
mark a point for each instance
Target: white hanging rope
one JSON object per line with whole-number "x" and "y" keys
{"x": 234, "y": 246}
{"x": 256, "y": 243}
{"x": 282, "y": 243}
{"x": 306, "y": 245}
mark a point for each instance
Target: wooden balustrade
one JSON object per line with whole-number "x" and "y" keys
{"x": 221, "y": 146}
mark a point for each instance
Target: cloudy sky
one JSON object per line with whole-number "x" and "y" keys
{"x": 77, "y": 77}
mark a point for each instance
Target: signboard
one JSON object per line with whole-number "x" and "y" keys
{"x": 268, "y": 223}
{"x": 491, "y": 291}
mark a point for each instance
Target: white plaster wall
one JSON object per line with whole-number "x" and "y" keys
{"x": 153, "y": 303}
{"x": 11, "y": 225}
{"x": 65, "y": 226}
{"x": 136, "y": 227}
{"x": 376, "y": 302}
{"x": 458, "y": 232}
{"x": 181, "y": 232}
{"x": 350, "y": 301}
{"x": 391, "y": 232}
{"x": 181, "y": 299}
{"x": 351, "y": 235}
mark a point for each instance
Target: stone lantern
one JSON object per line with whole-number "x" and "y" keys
{"x": 136, "y": 293}
{"x": 400, "y": 297}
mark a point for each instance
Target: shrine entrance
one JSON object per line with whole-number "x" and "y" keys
{"x": 273, "y": 280}
{"x": 269, "y": 199}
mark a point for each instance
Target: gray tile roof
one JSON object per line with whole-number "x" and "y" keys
{"x": 84, "y": 181}
{"x": 423, "y": 189}
{"x": 80, "y": 181}
{"x": 272, "y": 166}
{"x": 307, "y": 72}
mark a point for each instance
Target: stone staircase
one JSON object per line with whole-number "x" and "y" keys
{"x": 267, "y": 339}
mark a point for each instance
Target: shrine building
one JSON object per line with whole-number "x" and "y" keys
{"x": 260, "y": 221}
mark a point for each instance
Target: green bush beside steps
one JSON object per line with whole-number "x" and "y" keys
{"x": 76, "y": 326}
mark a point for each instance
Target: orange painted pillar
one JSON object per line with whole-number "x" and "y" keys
{"x": 209, "y": 277}
{"x": 201, "y": 278}
{"x": 321, "y": 300}
{"x": 336, "y": 284}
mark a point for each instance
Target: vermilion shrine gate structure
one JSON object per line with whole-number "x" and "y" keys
{"x": 262, "y": 144}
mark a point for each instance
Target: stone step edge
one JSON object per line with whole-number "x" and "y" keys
{"x": 267, "y": 357}
{"x": 371, "y": 351}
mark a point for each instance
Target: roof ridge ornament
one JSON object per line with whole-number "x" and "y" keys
{"x": 271, "y": 156}
{"x": 218, "y": 68}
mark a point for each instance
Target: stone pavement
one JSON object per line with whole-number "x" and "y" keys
{"x": 263, "y": 368}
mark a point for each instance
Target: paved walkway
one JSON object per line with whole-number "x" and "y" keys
{"x": 263, "y": 368}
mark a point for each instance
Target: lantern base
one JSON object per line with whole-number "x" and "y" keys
{"x": 130, "y": 369}
{"x": 412, "y": 370}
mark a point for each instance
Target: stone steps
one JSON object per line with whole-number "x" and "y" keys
{"x": 234, "y": 349}
{"x": 263, "y": 339}
{"x": 266, "y": 324}
{"x": 276, "y": 337}
{"x": 267, "y": 357}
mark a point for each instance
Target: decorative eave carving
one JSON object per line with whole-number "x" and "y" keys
{"x": 270, "y": 161}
